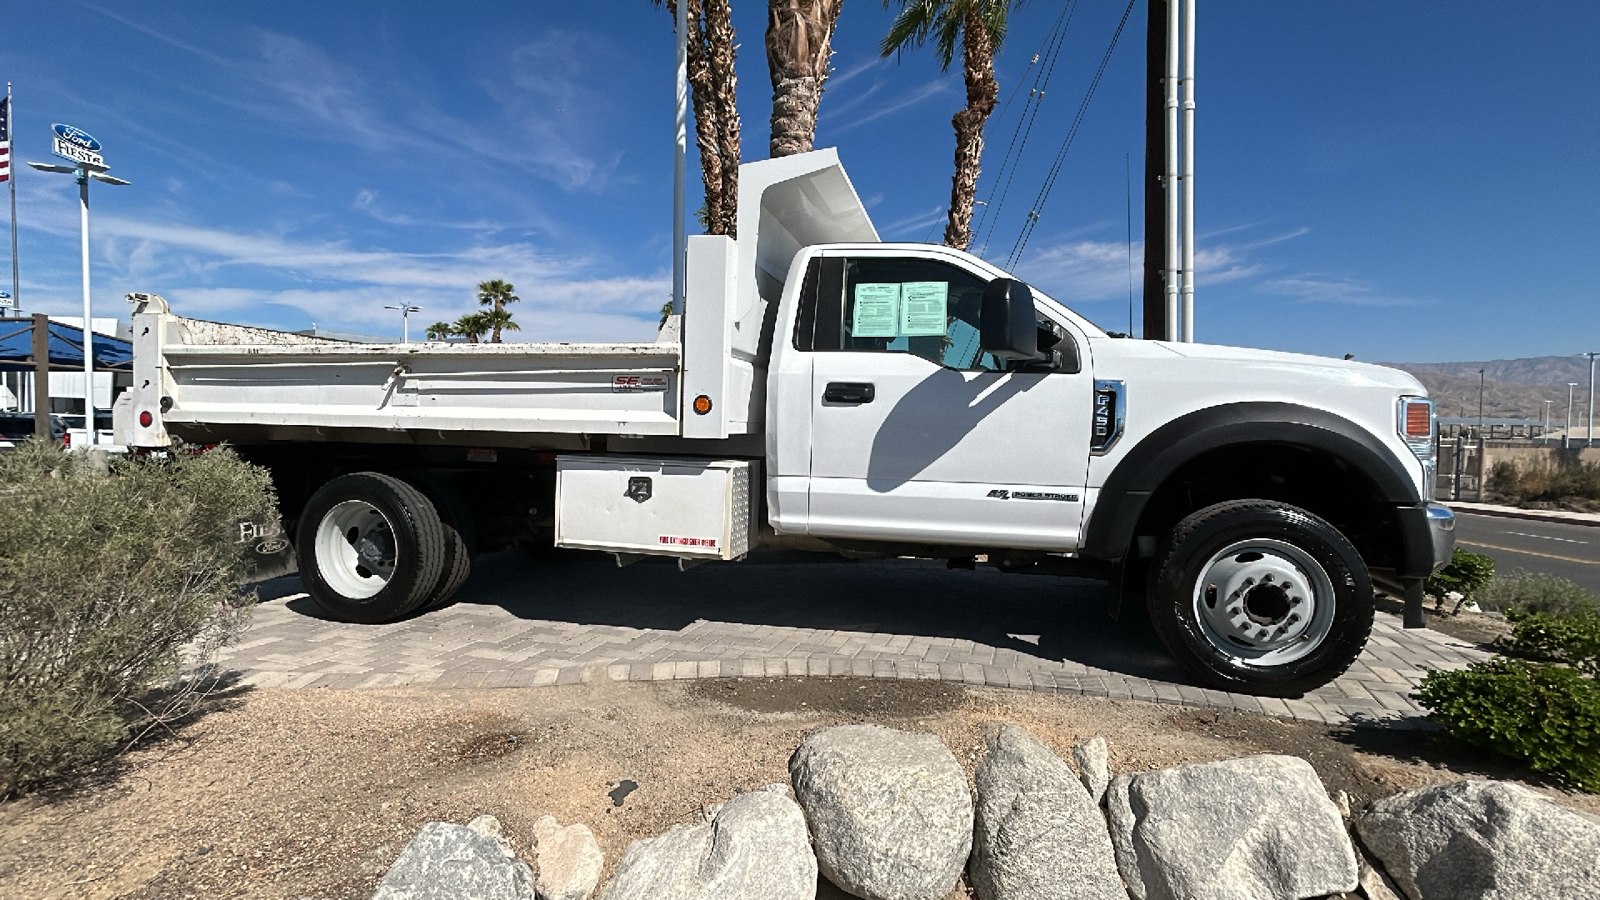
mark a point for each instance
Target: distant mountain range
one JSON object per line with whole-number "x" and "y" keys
{"x": 1512, "y": 388}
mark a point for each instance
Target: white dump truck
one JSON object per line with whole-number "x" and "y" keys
{"x": 832, "y": 392}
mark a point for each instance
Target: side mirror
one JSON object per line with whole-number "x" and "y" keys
{"x": 1007, "y": 326}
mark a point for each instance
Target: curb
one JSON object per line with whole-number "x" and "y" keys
{"x": 1559, "y": 517}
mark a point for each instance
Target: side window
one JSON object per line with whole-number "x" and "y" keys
{"x": 887, "y": 305}
{"x": 922, "y": 307}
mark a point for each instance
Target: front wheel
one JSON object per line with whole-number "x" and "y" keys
{"x": 371, "y": 548}
{"x": 1261, "y": 597}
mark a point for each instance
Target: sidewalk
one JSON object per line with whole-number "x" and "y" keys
{"x": 1514, "y": 512}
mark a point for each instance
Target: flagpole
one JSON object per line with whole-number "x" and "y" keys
{"x": 11, "y": 132}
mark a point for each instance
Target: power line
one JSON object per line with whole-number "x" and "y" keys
{"x": 1030, "y": 111}
{"x": 1055, "y": 169}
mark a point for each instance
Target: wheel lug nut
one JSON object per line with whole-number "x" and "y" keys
{"x": 1294, "y": 617}
{"x": 1294, "y": 601}
{"x": 1249, "y": 581}
{"x": 1266, "y": 579}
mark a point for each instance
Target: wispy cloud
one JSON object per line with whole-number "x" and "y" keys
{"x": 565, "y": 297}
{"x": 1321, "y": 288}
{"x": 911, "y": 98}
{"x": 1091, "y": 270}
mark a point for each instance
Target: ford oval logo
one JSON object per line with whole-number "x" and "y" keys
{"x": 77, "y": 137}
{"x": 272, "y": 546}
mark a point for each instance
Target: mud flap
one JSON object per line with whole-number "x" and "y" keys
{"x": 268, "y": 550}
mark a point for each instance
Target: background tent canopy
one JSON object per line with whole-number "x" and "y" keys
{"x": 66, "y": 348}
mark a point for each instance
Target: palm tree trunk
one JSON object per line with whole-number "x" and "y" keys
{"x": 799, "y": 46}
{"x": 982, "y": 93}
{"x": 499, "y": 307}
{"x": 705, "y": 116}
{"x": 720, "y": 53}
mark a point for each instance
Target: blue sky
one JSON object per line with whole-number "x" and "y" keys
{"x": 1402, "y": 181}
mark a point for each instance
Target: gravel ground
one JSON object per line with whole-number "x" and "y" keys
{"x": 311, "y": 794}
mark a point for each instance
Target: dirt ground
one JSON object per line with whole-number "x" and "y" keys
{"x": 311, "y": 794}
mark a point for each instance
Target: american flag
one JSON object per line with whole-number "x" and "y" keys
{"x": 5, "y": 139}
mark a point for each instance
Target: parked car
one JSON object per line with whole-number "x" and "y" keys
{"x": 18, "y": 427}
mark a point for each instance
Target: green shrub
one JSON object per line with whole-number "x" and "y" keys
{"x": 1547, "y": 716}
{"x": 1536, "y": 592}
{"x": 116, "y": 578}
{"x": 1466, "y": 573}
{"x": 1573, "y": 640}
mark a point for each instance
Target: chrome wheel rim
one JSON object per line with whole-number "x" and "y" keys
{"x": 1264, "y": 602}
{"x": 356, "y": 549}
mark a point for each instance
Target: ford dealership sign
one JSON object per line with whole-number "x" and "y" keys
{"x": 77, "y": 145}
{"x": 76, "y": 137}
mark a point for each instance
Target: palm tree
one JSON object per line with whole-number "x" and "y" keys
{"x": 799, "y": 46}
{"x": 471, "y": 326}
{"x": 499, "y": 319}
{"x": 497, "y": 294}
{"x": 713, "y": 87}
{"x": 980, "y": 27}
{"x": 440, "y": 331}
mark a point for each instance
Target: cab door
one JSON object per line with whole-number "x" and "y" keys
{"x": 919, "y": 435}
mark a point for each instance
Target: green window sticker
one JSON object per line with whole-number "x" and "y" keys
{"x": 877, "y": 311}
{"x": 924, "y": 308}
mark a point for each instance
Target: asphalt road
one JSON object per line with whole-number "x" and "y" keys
{"x": 1570, "y": 551}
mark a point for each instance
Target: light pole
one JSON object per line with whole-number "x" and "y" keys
{"x": 1544, "y": 436}
{"x": 85, "y": 171}
{"x": 405, "y": 320}
{"x": 1566, "y": 437}
{"x": 1589, "y": 438}
{"x": 1480, "y": 401}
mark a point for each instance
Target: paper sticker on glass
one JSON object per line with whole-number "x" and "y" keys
{"x": 877, "y": 311}
{"x": 924, "y": 308}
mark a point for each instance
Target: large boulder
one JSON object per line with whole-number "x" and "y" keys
{"x": 753, "y": 848}
{"x": 1038, "y": 835}
{"x": 1483, "y": 839}
{"x": 1257, "y": 827}
{"x": 569, "y": 860}
{"x": 890, "y": 812}
{"x": 446, "y": 862}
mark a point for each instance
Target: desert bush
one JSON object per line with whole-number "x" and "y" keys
{"x": 1466, "y": 573}
{"x": 116, "y": 579}
{"x": 1543, "y": 480}
{"x": 1547, "y": 716}
{"x": 1574, "y": 640}
{"x": 1537, "y": 592}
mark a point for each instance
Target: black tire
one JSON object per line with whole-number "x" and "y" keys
{"x": 1260, "y": 597}
{"x": 460, "y": 538}
{"x": 392, "y": 554}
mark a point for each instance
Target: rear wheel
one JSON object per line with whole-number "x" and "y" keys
{"x": 371, "y": 548}
{"x": 1261, "y": 597}
{"x": 460, "y": 540}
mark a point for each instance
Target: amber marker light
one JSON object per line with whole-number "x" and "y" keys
{"x": 702, "y": 405}
{"x": 1418, "y": 424}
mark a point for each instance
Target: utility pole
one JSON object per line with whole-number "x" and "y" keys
{"x": 1155, "y": 142}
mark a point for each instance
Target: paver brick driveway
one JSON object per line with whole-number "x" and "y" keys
{"x": 525, "y": 622}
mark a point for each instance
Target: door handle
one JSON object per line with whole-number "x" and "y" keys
{"x": 848, "y": 392}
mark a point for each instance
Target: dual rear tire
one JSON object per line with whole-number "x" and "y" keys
{"x": 373, "y": 548}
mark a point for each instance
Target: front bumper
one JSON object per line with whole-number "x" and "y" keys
{"x": 1442, "y": 531}
{"x": 1429, "y": 533}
